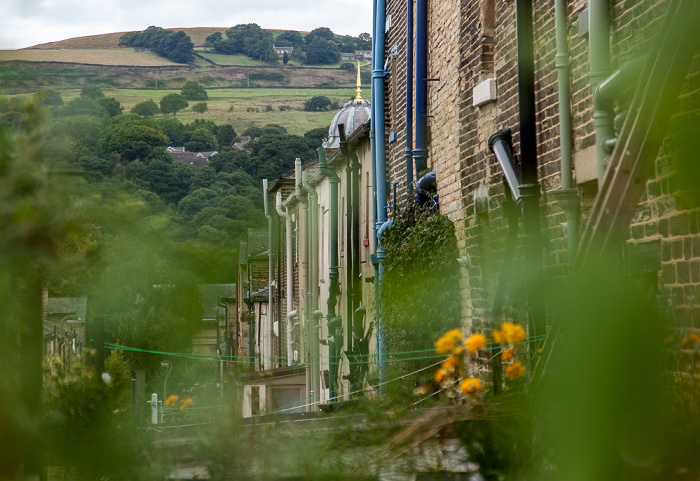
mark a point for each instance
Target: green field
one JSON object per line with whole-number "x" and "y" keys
{"x": 243, "y": 108}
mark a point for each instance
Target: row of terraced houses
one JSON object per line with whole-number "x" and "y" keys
{"x": 580, "y": 112}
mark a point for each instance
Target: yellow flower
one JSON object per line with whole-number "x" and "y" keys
{"x": 513, "y": 333}
{"x": 508, "y": 354}
{"x": 471, "y": 385}
{"x": 515, "y": 370}
{"x": 188, "y": 402}
{"x": 498, "y": 337}
{"x": 172, "y": 399}
{"x": 694, "y": 337}
{"x": 447, "y": 342}
{"x": 440, "y": 375}
{"x": 684, "y": 340}
{"x": 475, "y": 342}
{"x": 450, "y": 364}
{"x": 668, "y": 340}
{"x": 457, "y": 351}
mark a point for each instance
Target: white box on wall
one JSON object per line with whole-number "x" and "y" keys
{"x": 484, "y": 92}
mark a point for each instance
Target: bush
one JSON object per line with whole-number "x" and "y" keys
{"x": 320, "y": 103}
{"x": 200, "y": 107}
{"x": 147, "y": 108}
{"x": 194, "y": 91}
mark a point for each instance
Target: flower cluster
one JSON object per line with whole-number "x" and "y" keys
{"x": 174, "y": 400}
{"x": 514, "y": 335}
{"x": 449, "y": 372}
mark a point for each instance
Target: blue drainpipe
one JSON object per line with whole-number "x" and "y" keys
{"x": 409, "y": 95}
{"x": 420, "y": 151}
{"x": 379, "y": 180}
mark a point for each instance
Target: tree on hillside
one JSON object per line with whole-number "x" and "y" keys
{"x": 290, "y": 38}
{"x": 200, "y": 107}
{"x": 213, "y": 39}
{"x": 92, "y": 92}
{"x": 248, "y": 39}
{"x": 111, "y": 105}
{"x": 176, "y": 46}
{"x": 194, "y": 91}
{"x": 50, "y": 98}
{"x": 319, "y": 103}
{"x": 321, "y": 32}
{"x": 80, "y": 106}
{"x": 285, "y": 58}
{"x": 133, "y": 141}
{"x": 147, "y": 108}
{"x": 172, "y": 104}
{"x": 201, "y": 140}
{"x": 322, "y": 52}
{"x": 225, "y": 135}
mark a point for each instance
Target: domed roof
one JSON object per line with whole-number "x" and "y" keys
{"x": 352, "y": 115}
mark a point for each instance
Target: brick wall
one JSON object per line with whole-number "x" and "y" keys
{"x": 466, "y": 47}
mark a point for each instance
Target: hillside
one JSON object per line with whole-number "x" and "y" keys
{"x": 111, "y": 40}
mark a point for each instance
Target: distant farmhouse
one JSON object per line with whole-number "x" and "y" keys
{"x": 280, "y": 51}
{"x": 357, "y": 56}
{"x": 197, "y": 159}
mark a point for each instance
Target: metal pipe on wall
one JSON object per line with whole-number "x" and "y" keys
{"x": 420, "y": 151}
{"x": 599, "y": 50}
{"x": 270, "y": 263}
{"x": 409, "y": 95}
{"x": 567, "y": 196}
{"x": 289, "y": 238}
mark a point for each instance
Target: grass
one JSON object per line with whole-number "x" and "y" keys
{"x": 120, "y": 56}
{"x": 243, "y": 108}
{"x": 111, "y": 40}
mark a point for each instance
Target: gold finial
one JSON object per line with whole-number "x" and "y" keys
{"x": 359, "y": 89}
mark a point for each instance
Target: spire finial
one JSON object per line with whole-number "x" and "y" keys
{"x": 359, "y": 89}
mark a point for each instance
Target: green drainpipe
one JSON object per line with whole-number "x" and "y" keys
{"x": 312, "y": 287}
{"x": 567, "y": 196}
{"x": 335, "y": 325}
{"x": 599, "y": 51}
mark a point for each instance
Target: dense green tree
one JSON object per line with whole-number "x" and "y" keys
{"x": 272, "y": 154}
{"x": 322, "y": 52}
{"x": 133, "y": 141}
{"x": 176, "y": 46}
{"x": 314, "y": 137}
{"x": 285, "y": 58}
{"x": 225, "y": 135}
{"x": 253, "y": 132}
{"x": 172, "y": 104}
{"x": 290, "y": 38}
{"x": 213, "y": 39}
{"x": 168, "y": 178}
{"x": 365, "y": 41}
{"x": 92, "y": 92}
{"x": 319, "y": 103}
{"x": 229, "y": 160}
{"x": 80, "y": 106}
{"x": 173, "y": 129}
{"x": 111, "y": 105}
{"x": 147, "y": 108}
{"x": 50, "y": 98}
{"x": 273, "y": 129}
{"x": 201, "y": 140}
{"x": 200, "y": 107}
{"x": 248, "y": 39}
{"x": 321, "y": 32}
{"x": 194, "y": 91}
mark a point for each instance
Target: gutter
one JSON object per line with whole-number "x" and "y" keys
{"x": 270, "y": 317}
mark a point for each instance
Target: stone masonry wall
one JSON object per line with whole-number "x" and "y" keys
{"x": 471, "y": 41}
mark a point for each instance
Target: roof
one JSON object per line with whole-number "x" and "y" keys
{"x": 257, "y": 242}
{"x": 211, "y": 295}
{"x": 243, "y": 253}
{"x": 261, "y": 295}
{"x": 197, "y": 159}
{"x": 64, "y": 306}
{"x": 352, "y": 115}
